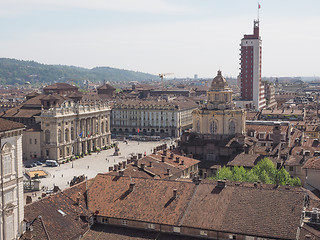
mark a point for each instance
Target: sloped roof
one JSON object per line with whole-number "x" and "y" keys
{"x": 264, "y": 210}
{"x": 63, "y": 86}
{"x": 6, "y": 125}
{"x": 106, "y": 86}
{"x": 313, "y": 163}
{"x": 60, "y": 215}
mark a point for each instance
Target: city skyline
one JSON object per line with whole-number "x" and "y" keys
{"x": 182, "y": 37}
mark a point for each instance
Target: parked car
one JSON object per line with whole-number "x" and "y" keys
{"x": 29, "y": 166}
{"x": 34, "y": 164}
{"x": 39, "y": 163}
{"x": 52, "y": 163}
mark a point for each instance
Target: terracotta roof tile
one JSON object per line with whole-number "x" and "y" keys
{"x": 6, "y": 125}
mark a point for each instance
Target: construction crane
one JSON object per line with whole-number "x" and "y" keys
{"x": 161, "y": 75}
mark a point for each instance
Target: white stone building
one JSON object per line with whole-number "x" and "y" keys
{"x": 74, "y": 128}
{"x": 151, "y": 117}
{"x": 11, "y": 180}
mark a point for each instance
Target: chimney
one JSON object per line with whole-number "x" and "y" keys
{"x": 314, "y": 215}
{"x": 121, "y": 173}
{"x": 177, "y": 159}
{"x": 119, "y": 166}
{"x": 124, "y": 164}
{"x": 110, "y": 169}
{"x": 162, "y": 158}
{"x": 29, "y": 199}
{"x": 150, "y": 164}
{"x": 115, "y": 167}
{"x": 171, "y": 155}
{"x": 132, "y": 187}
{"x": 164, "y": 152}
{"x": 168, "y": 171}
{"x": 276, "y": 133}
{"x": 221, "y": 184}
{"x": 139, "y": 155}
{"x": 182, "y": 162}
{"x": 78, "y": 201}
{"x": 154, "y": 151}
{"x": 204, "y": 175}
{"x": 174, "y": 196}
{"x": 135, "y": 163}
{"x": 128, "y": 161}
{"x": 142, "y": 166}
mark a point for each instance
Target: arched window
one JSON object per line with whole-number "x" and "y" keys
{"x": 66, "y": 135}
{"x": 198, "y": 126}
{"x": 59, "y": 136}
{"x": 47, "y": 136}
{"x": 232, "y": 127}
{"x": 6, "y": 158}
{"x": 72, "y": 133}
{"x": 213, "y": 127}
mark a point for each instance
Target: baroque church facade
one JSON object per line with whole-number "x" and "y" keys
{"x": 218, "y": 127}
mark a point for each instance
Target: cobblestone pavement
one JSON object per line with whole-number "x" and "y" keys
{"x": 91, "y": 165}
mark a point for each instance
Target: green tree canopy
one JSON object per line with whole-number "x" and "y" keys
{"x": 264, "y": 171}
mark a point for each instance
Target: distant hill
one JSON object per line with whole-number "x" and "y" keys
{"x": 14, "y": 71}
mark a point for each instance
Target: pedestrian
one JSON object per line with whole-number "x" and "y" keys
{"x": 53, "y": 176}
{"x": 88, "y": 166}
{"x": 62, "y": 175}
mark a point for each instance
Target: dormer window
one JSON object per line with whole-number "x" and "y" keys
{"x": 262, "y": 135}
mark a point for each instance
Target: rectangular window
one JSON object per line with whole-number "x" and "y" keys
{"x": 35, "y": 141}
{"x": 151, "y": 226}
{"x": 124, "y": 222}
{"x": 30, "y": 141}
{"x": 203, "y": 233}
{"x": 176, "y": 229}
{"x": 7, "y": 164}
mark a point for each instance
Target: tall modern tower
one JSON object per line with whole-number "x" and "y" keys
{"x": 252, "y": 88}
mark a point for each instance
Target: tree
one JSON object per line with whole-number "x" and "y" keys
{"x": 267, "y": 166}
{"x": 224, "y": 173}
{"x": 264, "y": 171}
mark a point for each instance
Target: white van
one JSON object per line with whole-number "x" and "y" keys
{"x": 52, "y": 163}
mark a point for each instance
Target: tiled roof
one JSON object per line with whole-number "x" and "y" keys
{"x": 264, "y": 210}
{"x": 64, "y": 86}
{"x": 61, "y": 217}
{"x": 106, "y": 86}
{"x": 272, "y": 212}
{"x": 6, "y": 125}
{"x": 245, "y": 160}
{"x": 264, "y": 128}
{"x": 150, "y": 201}
{"x": 313, "y": 163}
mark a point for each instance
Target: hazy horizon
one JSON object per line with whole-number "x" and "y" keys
{"x": 156, "y": 36}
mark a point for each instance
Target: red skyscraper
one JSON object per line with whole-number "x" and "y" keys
{"x": 252, "y": 88}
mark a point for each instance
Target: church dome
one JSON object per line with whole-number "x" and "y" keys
{"x": 219, "y": 82}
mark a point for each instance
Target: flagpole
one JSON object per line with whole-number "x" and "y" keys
{"x": 258, "y": 10}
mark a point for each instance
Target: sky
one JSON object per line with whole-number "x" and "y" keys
{"x": 184, "y": 37}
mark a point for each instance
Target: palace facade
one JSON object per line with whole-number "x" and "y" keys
{"x": 218, "y": 127}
